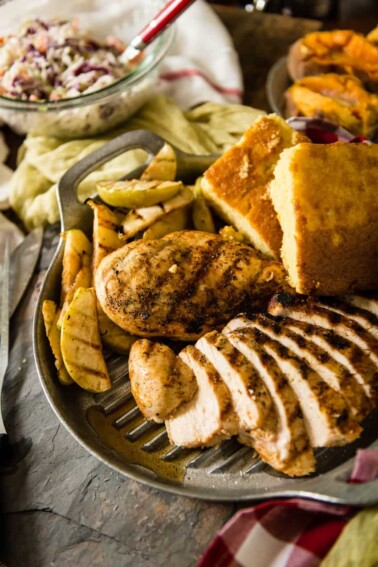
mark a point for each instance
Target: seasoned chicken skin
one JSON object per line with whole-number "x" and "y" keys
{"x": 185, "y": 284}
{"x": 160, "y": 380}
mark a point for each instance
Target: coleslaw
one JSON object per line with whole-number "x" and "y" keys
{"x": 54, "y": 60}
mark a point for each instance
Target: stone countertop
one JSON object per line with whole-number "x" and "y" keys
{"x": 59, "y": 505}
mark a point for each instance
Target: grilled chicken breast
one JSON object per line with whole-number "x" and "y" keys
{"x": 364, "y": 302}
{"x": 328, "y": 418}
{"x": 332, "y": 372}
{"x": 160, "y": 380}
{"x": 209, "y": 417}
{"x": 307, "y": 311}
{"x": 364, "y": 318}
{"x": 185, "y": 284}
{"x": 249, "y": 394}
{"x": 290, "y": 450}
{"x": 344, "y": 352}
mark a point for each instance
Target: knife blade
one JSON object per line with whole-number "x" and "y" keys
{"x": 23, "y": 262}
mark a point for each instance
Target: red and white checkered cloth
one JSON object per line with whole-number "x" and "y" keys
{"x": 286, "y": 533}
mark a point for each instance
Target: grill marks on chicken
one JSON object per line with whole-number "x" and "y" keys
{"x": 290, "y": 450}
{"x": 299, "y": 309}
{"x": 326, "y": 413}
{"x": 333, "y": 373}
{"x": 184, "y": 284}
{"x": 249, "y": 394}
{"x": 284, "y": 385}
{"x": 344, "y": 352}
{"x": 364, "y": 302}
{"x": 366, "y": 320}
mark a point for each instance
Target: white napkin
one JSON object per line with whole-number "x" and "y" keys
{"x": 202, "y": 64}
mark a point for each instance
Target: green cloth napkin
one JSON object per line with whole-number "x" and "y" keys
{"x": 209, "y": 128}
{"x": 357, "y": 545}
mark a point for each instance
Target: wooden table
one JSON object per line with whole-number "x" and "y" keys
{"x": 60, "y": 506}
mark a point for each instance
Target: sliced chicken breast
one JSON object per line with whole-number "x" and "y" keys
{"x": 300, "y": 309}
{"x": 291, "y": 451}
{"x": 336, "y": 375}
{"x": 327, "y": 416}
{"x": 209, "y": 417}
{"x": 367, "y": 320}
{"x": 160, "y": 380}
{"x": 250, "y": 397}
{"x": 363, "y": 302}
{"x": 346, "y": 353}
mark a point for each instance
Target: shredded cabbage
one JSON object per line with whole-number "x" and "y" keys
{"x": 49, "y": 61}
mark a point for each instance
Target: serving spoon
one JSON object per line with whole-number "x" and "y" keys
{"x": 160, "y": 21}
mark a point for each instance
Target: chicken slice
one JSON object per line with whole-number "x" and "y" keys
{"x": 367, "y": 320}
{"x": 290, "y": 451}
{"x": 160, "y": 380}
{"x": 325, "y": 412}
{"x": 209, "y": 417}
{"x": 336, "y": 375}
{"x": 363, "y": 302}
{"x": 300, "y": 309}
{"x": 346, "y": 353}
{"x": 250, "y": 397}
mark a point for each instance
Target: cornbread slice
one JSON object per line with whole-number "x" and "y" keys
{"x": 326, "y": 199}
{"x": 236, "y": 185}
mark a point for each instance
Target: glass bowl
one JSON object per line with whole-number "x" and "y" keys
{"x": 98, "y": 111}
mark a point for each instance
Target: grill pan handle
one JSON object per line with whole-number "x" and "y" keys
{"x": 71, "y": 209}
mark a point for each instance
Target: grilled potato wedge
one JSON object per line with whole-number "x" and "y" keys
{"x": 163, "y": 166}
{"x": 77, "y": 269}
{"x": 140, "y": 219}
{"x": 136, "y": 193}
{"x": 202, "y": 217}
{"x": 106, "y": 227}
{"x": 175, "y": 220}
{"x": 112, "y": 336}
{"x": 81, "y": 343}
{"x": 50, "y": 313}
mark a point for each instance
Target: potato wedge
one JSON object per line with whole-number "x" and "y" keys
{"x": 175, "y": 220}
{"x": 202, "y": 217}
{"x": 77, "y": 256}
{"x": 163, "y": 166}
{"x": 81, "y": 343}
{"x": 112, "y": 336}
{"x": 106, "y": 227}
{"x": 77, "y": 267}
{"x": 50, "y": 313}
{"x": 136, "y": 193}
{"x": 140, "y": 219}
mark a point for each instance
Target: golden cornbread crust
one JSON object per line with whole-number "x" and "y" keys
{"x": 236, "y": 185}
{"x": 328, "y": 212}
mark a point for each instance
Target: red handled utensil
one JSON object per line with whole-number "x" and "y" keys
{"x": 168, "y": 14}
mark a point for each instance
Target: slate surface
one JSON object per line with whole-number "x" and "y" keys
{"x": 59, "y": 505}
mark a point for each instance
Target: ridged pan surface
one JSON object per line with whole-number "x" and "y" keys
{"x": 111, "y": 427}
